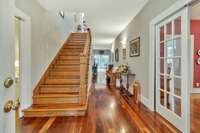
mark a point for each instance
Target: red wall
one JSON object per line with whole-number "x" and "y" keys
{"x": 195, "y": 30}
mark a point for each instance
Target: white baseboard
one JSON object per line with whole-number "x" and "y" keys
{"x": 195, "y": 90}
{"x": 146, "y": 102}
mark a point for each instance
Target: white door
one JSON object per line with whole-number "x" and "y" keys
{"x": 172, "y": 77}
{"x": 7, "y": 69}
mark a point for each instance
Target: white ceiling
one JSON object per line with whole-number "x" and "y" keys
{"x": 106, "y": 18}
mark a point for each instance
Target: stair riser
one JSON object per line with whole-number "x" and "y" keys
{"x": 55, "y": 113}
{"x": 65, "y": 76}
{"x": 75, "y": 44}
{"x": 71, "y": 50}
{"x": 65, "y": 68}
{"x": 69, "y": 54}
{"x": 56, "y": 73}
{"x": 58, "y": 90}
{"x": 77, "y": 37}
{"x": 69, "y": 57}
{"x": 56, "y": 100}
{"x": 62, "y": 81}
{"x": 73, "y": 47}
{"x": 68, "y": 62}
{"x": 76, "y": 41}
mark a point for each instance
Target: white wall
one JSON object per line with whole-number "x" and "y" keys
{"x": 48, "y": 32}
{"x": 102, "y": 46}
{"x": 139, "y": 27}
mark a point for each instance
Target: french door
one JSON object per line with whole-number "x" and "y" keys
{"x": 172, "y": 88}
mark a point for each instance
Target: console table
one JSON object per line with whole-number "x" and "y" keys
{"x": 126, "y": 80}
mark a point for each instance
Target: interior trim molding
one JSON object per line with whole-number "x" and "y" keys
{"x": 195, "y": 90}
{"x": 146, "y": 102}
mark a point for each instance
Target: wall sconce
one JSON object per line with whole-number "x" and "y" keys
{"x": 62, "y": 14}
{"x": 123, "y": 44}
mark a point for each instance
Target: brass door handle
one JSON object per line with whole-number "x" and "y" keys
{"x": 11, "y": 105}
{"x": 8, "y": 82}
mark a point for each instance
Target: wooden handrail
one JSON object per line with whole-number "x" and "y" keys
{"x": 84, "y": 69}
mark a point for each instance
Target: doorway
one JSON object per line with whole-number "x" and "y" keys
{"x": 22, "y": 63}
{"x": 102, "y": 61}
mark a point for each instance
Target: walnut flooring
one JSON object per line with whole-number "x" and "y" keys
{"x": 195, "y": 113}
{"x": 108, "y": 112}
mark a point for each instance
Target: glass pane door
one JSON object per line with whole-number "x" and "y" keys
{"x": 171, "y": 76}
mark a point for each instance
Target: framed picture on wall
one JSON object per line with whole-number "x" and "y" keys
{"x": 117, "y": 55}
{"x": 124, "y": 53}
{"x": 134, "y": 47}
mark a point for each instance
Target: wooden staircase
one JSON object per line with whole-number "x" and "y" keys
{"x": 63, "y": 89}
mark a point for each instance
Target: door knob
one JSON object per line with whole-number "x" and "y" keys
{"x": 11, "y": 105}
{"x": 8, "y": 82}
{"x": 8, "y": 106}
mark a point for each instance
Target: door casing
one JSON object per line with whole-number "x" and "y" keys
{"x": 25, "y": 60}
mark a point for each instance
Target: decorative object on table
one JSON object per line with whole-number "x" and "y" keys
{"x": 134, "y": 47}
{"x": 79, "y": 28}
{"x": 122, "y": 69}
{"x": 137, "y": 92}
{"x": 124, "y": 53}
{"x": 117, "y": 55}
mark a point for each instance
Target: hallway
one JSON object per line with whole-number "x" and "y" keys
{"x": 105, "y": 114}
{"x": 108, "y": 112}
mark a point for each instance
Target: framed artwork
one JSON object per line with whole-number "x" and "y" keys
{"x": 124, "y": 53}
{"x": 117, "y": 55}
{"x": 134, "y": 47}
{"x": 113, "y": 57}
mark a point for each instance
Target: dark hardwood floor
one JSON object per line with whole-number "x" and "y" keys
{"x": 195, "y": 113}
{"x": 108, "y": 112}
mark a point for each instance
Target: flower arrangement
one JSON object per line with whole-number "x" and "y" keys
{"x": 122, "y": 69}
